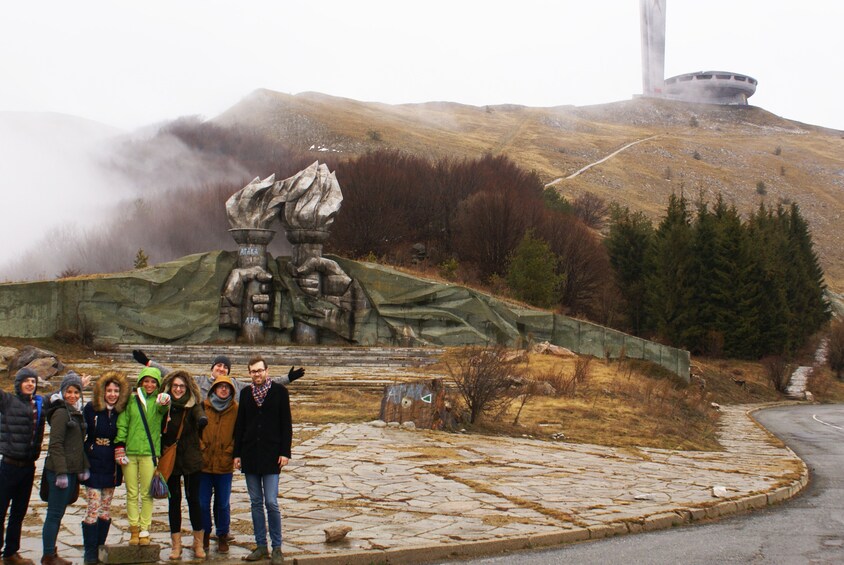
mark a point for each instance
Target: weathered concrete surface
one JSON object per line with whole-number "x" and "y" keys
{"x": 411, "y": 496}
{"x": 179, "y": 302}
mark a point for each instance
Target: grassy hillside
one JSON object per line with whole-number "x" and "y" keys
{"x": 746, "y": 153}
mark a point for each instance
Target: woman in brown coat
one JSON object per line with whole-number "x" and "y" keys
{"x": 185, "y": 413}
{"x": 217, "y": 464}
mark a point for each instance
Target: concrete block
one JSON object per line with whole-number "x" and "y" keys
{"x": 559, "y": 538}
{"x": 756, "y": 501}
{"x": 778, "y": 495}
{"x": 696, "y": 514}
{"x": 662, "y": 521}
{"x": 634, "y": 527}
{"x": 130, "y": 553}
{"x": 607, "y": 531}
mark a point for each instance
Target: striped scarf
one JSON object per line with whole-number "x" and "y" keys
{"x": 259, "y": 393}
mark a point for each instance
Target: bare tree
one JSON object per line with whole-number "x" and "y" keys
{"x": 484, "y": 378}
{"x": 591, "y": 209}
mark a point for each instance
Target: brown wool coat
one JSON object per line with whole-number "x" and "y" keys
{"x": 218, "y": 438}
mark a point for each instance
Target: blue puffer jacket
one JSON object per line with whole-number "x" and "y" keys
{"x": 102, "y": 429}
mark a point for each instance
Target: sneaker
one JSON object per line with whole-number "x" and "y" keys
{"x": 258, "y": 554}
{"x": 278, "y": 557}
{"x": 16, "y": 559}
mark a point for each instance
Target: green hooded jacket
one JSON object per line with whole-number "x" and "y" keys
{"x": 130, "y": 427}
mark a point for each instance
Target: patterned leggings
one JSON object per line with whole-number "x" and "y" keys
{"x": 99, "y": 504}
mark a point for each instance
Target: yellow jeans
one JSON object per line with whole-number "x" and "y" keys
{"x": 138, "y": 474}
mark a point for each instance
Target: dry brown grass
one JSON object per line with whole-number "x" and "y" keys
{"x": 624, "y": 403}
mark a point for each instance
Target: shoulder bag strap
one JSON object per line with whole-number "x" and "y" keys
{"x": 146, "y": 427}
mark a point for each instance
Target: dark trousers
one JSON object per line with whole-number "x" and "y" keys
{"x": 15, "y": 488}
{"x": 175, "y": 506}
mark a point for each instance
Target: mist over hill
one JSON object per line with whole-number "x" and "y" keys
{"x": 167, "y": 191}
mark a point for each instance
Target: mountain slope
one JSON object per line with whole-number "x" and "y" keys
{"x": 746, "y": 153}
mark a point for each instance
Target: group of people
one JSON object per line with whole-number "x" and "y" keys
{"x": 216, "y": 423}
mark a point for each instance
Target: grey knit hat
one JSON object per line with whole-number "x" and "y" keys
{"x": 71, "y": 379}
{"x": 23, "y": 374}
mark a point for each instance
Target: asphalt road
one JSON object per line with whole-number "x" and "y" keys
{"x": 807, "y": 529}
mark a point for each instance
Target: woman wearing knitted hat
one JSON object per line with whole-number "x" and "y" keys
{"x": 184, "y": 428}
{"x": 132, "y": 450}
{"x": 110, "y": 395}
{"x": 66, "y": 462}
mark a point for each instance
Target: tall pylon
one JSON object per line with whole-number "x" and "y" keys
{"x": 653, "y": 46}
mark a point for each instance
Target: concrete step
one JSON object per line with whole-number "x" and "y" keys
{"x": 285, "y": 355}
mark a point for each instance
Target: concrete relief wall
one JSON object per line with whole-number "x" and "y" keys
{"x": 179, "y": 302}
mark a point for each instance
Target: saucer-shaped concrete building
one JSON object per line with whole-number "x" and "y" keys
{"x": 712, "y": 87}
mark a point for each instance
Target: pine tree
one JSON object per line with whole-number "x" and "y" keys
{"x": 141, "y": 259}
{"x": 531, "y": 273}
{"x": 628, "y": 243}
{"x": 668, "y": 282}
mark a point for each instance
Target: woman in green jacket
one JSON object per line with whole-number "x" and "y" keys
{"x": 132, "y": 450}
{"x": 66, "y": 462}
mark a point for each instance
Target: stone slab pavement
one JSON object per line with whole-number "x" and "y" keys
{"x": 414, "y": 496}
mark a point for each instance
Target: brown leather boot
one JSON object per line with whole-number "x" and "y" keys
{"x": 133, "y": 535}
{"x": 198, "y": 552}
{"x": 223, "y": 544}
{"x": 54, "y": 559}
{"x": 176, "y": 541}
{"x": 16, "y": 559}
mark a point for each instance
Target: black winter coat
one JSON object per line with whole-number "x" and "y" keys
{"x": 188, "y": 452}
{"x": 263, "y": 433}
{"x": 20, "y": 435}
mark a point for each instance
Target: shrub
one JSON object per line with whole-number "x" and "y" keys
{"x": 448, "y": 269}
{"x": 835, "y": 349}
{"x": 777, "y": 371}
{"x": 484, "y": 378}
{"x": 696, "y": 155}
{"x": 761, "y": 188}
{"x": 693, "y": 122}
{"x": 778, "y": 150}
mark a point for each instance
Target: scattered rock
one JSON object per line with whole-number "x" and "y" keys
{"x": 393, "y": 425}
{"x": 558, "y": 436}
{"x": 715, "y": 406}
{"x": 333, "y": 534}
{"x": 645, "y": 496}
{"x": 720, "y": 492}
{"x": 409, "y": 425}
{"x": 547, "y": 348}
{"x": 6, "y": 354}
{"x": 809, "y": 396}
{"x": 28, "y": 354}
{"x": 378, "y": 424}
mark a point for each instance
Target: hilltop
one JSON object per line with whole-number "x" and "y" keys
{"x": 744, "y": 152}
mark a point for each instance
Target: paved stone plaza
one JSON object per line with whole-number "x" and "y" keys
{"x": 412, "y": 495}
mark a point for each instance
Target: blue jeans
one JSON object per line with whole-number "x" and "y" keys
{"x": 221, "y": 487}
{"x": 263, "y": 491}
{"x": 56, "y": 506}
{"x": 15, "y": 488}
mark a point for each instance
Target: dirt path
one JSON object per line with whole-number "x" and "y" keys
{"x": 610, "y": 156}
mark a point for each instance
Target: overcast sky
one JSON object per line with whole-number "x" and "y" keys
{"x": 132, "y": 63}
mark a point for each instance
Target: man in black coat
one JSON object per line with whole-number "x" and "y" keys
{"x": 263, "y": 434}
{"x": 21, "y": 432}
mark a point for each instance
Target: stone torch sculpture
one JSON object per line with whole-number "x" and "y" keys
{"x": 306, "y": 204}
{"x": 245, "y": 302}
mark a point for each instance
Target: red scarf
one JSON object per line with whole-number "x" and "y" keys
{"x": 259, "y": 393}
